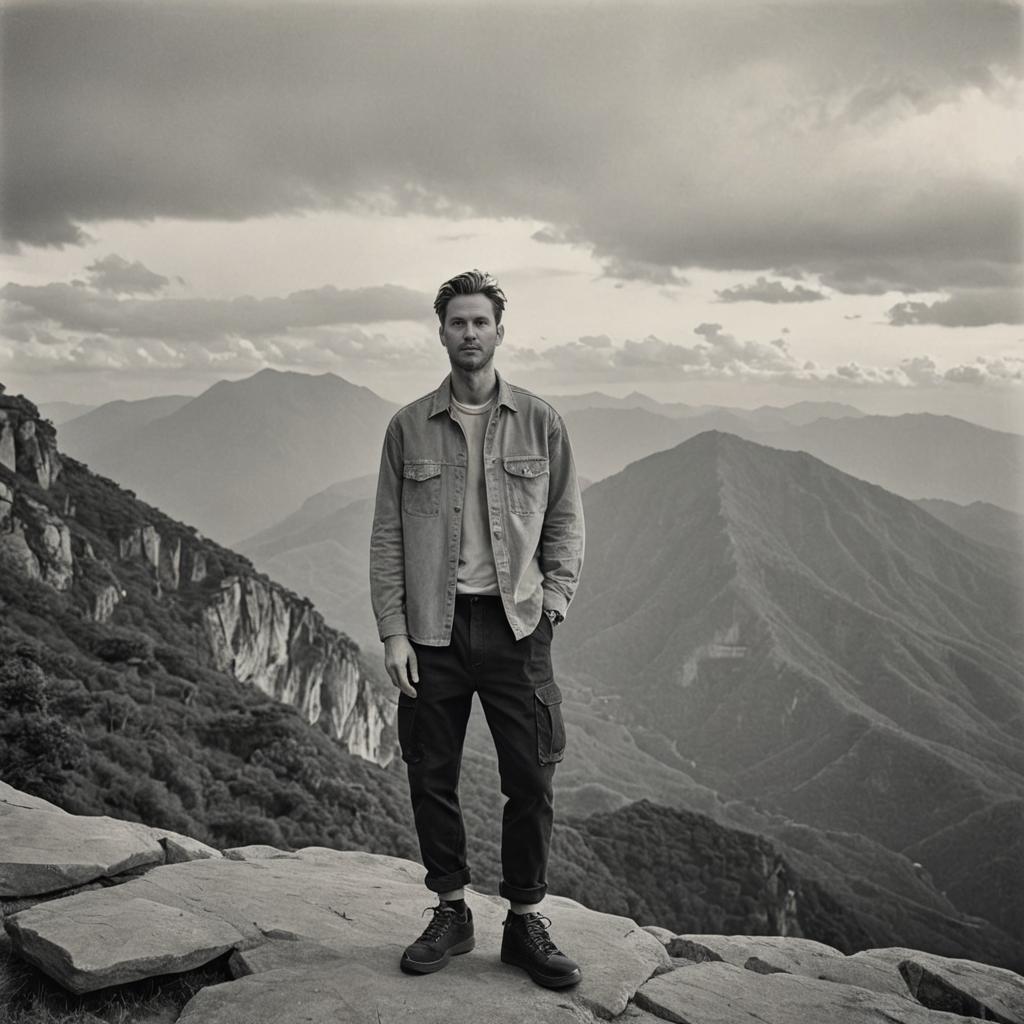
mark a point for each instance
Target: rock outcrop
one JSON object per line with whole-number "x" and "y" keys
{"x": 28, "y": 443}
{"x": 315, "y": 935}
{"x": 256, "y": 630}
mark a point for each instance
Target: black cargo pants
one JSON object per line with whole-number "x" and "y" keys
{"x": 522, "y": 705}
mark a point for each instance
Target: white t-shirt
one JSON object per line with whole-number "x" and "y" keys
{"x": 477, "y": 574}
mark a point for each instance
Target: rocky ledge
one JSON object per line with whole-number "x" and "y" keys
{"x": 314, "y": 935}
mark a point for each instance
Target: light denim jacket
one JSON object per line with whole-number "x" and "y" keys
{"x": 533, "y": 503}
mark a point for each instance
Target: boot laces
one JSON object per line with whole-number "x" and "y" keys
{"x": 443, "y": 919}
{"x": 536, "y": 932}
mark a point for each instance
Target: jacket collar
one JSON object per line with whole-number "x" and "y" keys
{"x": 443, "y": 395}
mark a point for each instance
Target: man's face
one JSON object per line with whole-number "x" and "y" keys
{"x": 469, "y": 332}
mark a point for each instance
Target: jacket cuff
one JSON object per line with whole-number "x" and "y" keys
{"x": 392, "y": 625}
{"x": 556, "y": 601}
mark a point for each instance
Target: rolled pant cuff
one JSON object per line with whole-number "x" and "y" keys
{"x": 445, "y": 883}
{"x": 515, "y": 895}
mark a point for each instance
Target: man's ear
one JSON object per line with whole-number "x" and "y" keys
{"x": 440, "y": 334}
{"x": 501, "y": 334}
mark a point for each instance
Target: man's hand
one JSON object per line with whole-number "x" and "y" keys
{"x": 400, "y": 661}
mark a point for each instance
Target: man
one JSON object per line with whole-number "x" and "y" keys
{"x": 475, "y": 555}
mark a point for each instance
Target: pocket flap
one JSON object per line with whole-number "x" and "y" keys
{"x": 421, "y": 470}
{"x": 532, "y": 466}
{"x": 548, "y": 694}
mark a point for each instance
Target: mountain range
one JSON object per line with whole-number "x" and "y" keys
{"x": 147, "y": 672}
{"x": 240, "y": 456}
{"x": 917, "y": 455}
{"x": 791, "y": 633}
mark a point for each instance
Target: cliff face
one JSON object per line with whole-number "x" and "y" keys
{"x": 96, "y": 543}
{"x": 33, "y": 541}
{"x": 263, "y": 635}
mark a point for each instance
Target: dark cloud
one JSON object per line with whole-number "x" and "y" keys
{"x": 663, "y": 136}
{"x": 622, "y": 269}
{"x": 75, "y": 308}
{"x": 763, "y": 290}
{"x": 114, "y": 273}
{"x": 977, "y": 308}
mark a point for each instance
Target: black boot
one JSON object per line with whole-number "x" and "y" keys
{"x": 446, "y": 935}
{"x": 526, "y": 943}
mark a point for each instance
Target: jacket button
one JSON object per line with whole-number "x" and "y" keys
{"x": 497, "y": 532}
{"x": 458, "y": 508}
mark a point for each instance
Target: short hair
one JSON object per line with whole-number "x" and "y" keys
{"x": 470, "y": 282}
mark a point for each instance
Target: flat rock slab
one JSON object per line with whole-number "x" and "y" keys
{"x": 44, "y": 851}
{"x": 365, "y": 909}
{"x": 465, "y": 992}
{"x": 351, "y": 901}
{"x": 959, "y": 986}
{"x": 721, "y": 993}
{"x": 770, "y": 954}
{"x": 90, "y": 941}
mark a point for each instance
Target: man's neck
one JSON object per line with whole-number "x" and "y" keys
{"x": 475, "y": 386}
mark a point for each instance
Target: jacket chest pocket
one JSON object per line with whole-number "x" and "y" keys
{"x": 526, "y": 483}
{"x": 421, "y": 488}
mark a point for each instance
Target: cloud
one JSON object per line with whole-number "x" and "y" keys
{"x": 76, "y": 308}
{"x": 114, "y": 273}
{"x": 763, "y": 290}
{"x": 976, "y": 308}
{"x": 81, "y": 327}
{"x": 717, "y": 354}
{"x": 662, "y": 137}
{"x": 349, "y": 348}
{"x": 721, "y": 356}
{"x": 623, "y": 269}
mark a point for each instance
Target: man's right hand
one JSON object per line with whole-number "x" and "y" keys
{"x": 400, "y": 661}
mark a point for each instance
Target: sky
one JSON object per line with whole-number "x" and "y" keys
{"x": 732, "y": 203}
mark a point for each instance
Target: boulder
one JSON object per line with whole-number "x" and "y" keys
{"x": 721, "y": 993}
{"x": 959, "y": 986}
{"x": 90, "y": 941}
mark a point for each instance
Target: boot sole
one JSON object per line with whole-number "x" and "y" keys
{"x": 417, "y": 967}
{"x": 545, "y": 980}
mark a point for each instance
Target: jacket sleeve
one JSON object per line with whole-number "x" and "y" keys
{"x": 562, "y": 536}
{"x": 387, "y": 551}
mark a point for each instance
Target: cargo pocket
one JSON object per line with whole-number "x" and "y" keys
{"x": 408, "y": 739}
{"x": 550, "y": 727}
{"x": 526, "y": 483}
{"x": 421, "y": 488}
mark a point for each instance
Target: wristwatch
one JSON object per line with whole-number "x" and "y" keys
{"x": 554, "y": 615}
